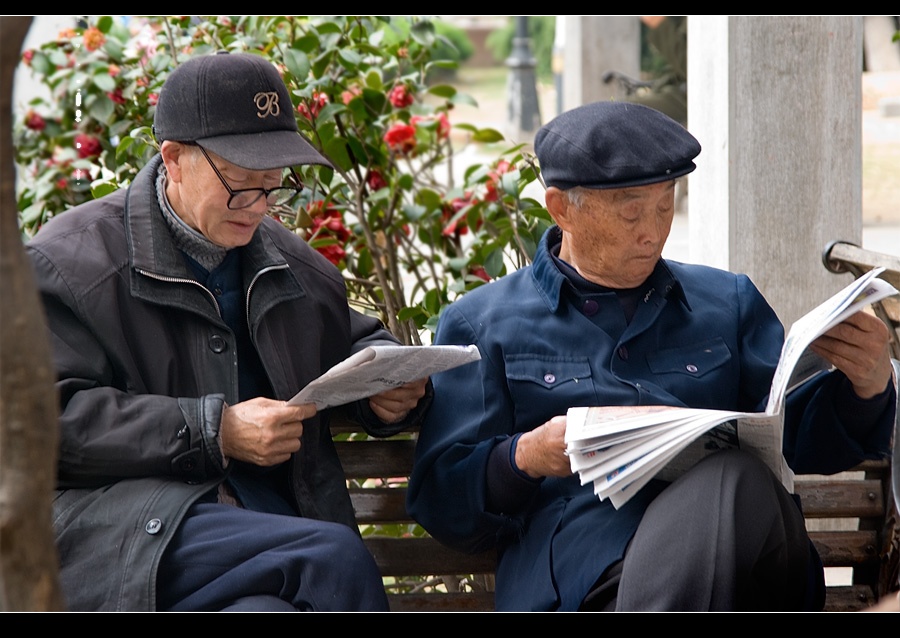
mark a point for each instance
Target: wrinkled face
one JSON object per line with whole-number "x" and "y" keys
{"x": 202, "y": 200}
{"x": 614, "y": 237}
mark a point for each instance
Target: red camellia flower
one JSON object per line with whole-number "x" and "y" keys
{"x": 333, "y": 253}
{"x": 93, "y": 39}
{"x": 401, "y": 138}
{"x": 34, "y": 121}
{"x": 328, "y": 222}
{"x": 375, "y": 180}
{"x": 87, "y": 146}
{"x": 480, "y": 272}
{"x": 28, "y": 56}
{"x": 316, "y": 103}
{"x": 152, "y": 99}
{"x": 400, "y": 96}
{"x": 116, "y": 96}
{"x": 114, "y": 70}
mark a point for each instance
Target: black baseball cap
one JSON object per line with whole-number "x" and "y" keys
{"x": 237, "y": 106}
{"x": 613, "y": 145}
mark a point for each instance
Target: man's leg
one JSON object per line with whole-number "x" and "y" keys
{"x": 724, "y": 536}
{"x": 225, "y": 557}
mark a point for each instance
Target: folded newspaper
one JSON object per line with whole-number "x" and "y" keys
{"x": 378, "y": 368}
{"x": 620, "y": 448}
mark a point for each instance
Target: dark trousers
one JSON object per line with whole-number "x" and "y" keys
{"x": 725, "y": 536}
{"x": 224, "y": 558}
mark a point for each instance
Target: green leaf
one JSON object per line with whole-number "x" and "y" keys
{"x": 99, "y": 189}
{"x": 442, "y": 90}
{"x": 336, "y": 151}
{"x": 487, "y": 136}
{"x": 104, "y": 81}
{"x": 297, "y": 63}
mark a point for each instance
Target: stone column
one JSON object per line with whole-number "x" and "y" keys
{"x": 593, "y": 46}
{"x": 776, "y": 103}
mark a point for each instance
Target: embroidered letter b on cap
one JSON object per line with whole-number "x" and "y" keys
{"x": 237, "y": 106}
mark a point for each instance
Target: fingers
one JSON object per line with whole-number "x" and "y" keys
{"x": 392, "y": 406}
{"x": 542, "y": 451}
{"x": 263, "y": 431}
{"x": 859, "y": 348}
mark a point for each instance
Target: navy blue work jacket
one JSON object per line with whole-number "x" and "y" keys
{"x": 700, "y": 337}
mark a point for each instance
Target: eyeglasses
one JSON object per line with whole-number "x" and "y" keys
{"x": 245, "y": 197}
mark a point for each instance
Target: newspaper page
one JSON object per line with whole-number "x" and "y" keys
{"x": 378, "y": 368}
{"x": 620, "y": 448}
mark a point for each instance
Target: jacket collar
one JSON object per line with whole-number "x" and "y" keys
{"x": 549, "y": 280}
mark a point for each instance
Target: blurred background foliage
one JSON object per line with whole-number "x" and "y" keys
{"x": 409, "y": 230}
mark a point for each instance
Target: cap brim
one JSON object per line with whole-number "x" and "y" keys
{"x": 264, "y": 151}
{"x": 644, "y": 180}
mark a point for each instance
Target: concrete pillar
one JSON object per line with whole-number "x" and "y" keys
{"x": 593, "y": 46}
{"x": 776, "y": 103}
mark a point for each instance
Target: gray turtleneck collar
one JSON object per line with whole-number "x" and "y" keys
{"x": 188, "y": 240}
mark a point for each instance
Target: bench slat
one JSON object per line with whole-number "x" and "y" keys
{"x": 418, "y": 556}
{"x": 840, "y": 498}
{"x": 846, "y": 548}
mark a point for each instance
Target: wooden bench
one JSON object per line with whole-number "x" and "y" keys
{"x": 422, "y": 575}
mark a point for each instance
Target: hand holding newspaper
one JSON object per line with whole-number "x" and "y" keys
{"x": 620, "y": 448}
{"x": 378, "y": 368}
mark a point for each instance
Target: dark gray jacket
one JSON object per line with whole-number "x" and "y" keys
{"x": 145, "y": 366}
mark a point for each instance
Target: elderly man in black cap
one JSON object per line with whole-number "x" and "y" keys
{"x": 600, "y": 318}
{"x": 182, "y": 317}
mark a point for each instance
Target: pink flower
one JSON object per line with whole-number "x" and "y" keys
{"x": 443, "y": 123}
{"x": 400, "y": 96}
{"x": 351, "y": 93}
{"x": 316, "y": 104}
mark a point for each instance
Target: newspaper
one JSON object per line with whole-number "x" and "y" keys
{"x": 378, "y": 368}
{"x": 620, "y": 448}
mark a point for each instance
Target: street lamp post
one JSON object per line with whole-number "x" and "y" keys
{"x": 523, "y": 109}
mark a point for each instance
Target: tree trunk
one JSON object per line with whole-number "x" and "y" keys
{"x": 29, "y": 570}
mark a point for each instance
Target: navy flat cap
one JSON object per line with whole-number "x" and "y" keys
{"x": 613, "y": 145}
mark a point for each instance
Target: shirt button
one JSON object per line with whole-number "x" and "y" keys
{"x": 590, "y": 308}
{"x": 691, "y": 368}
{"x": 549, "y": 378}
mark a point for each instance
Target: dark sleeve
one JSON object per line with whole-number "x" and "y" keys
{"x": 829, "y": 429}
{"x": 508, "y": 488}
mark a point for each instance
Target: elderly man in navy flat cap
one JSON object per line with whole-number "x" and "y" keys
{"x": 600, "y": 318}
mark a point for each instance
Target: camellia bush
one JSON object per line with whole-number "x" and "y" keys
{"x": 370, "y": 92}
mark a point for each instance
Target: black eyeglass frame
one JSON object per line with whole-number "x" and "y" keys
{"x": 295, "y": 190}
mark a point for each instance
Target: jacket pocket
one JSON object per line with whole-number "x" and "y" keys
{"x": 542, "y": 387}
{"x": 694, "y": 360}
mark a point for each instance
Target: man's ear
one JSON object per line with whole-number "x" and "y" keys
{"x": 558, "y": 206}
{"x": 174, "y": 155}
